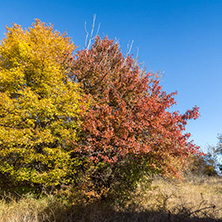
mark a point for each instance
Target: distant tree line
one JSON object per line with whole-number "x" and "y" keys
{"x": 210, "y": 164}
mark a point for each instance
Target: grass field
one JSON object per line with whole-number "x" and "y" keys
{"x": 193, "y": 199}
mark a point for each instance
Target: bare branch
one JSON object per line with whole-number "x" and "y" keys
{"x": 92, "y": 30}
{"x": 128, "y": 50}
{"x": 87, "y": 34}
{"x": 137, "y": 56}
{"x": 89, "y": 39}
{"x": 130, "y": 47}
{"x": 98, "y": 29}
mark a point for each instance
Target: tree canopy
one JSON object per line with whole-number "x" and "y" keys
{"x": 129, "y": 110}
{"x": 39, "y": 104}
{"x": 93, "y": 118}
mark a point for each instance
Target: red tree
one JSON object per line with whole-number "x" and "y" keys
{"x": 128, "y": 118}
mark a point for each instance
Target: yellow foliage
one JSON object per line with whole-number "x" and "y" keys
{"x": 39, "y": 104}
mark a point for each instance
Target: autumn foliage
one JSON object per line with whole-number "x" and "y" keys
{"x": 128, "y": 125}
{"x": 39, "y": 105}
{"x": 128, "y": 112}
{"x": 94, "y": 119}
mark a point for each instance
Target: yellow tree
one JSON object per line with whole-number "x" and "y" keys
{"x": 39, "y": 106}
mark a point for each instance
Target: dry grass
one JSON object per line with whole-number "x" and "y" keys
{"x": 195, "y": 199}
{"x": 27, "y": 209}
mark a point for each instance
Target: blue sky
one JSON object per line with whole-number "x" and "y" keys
{"x": 182, "y": 39}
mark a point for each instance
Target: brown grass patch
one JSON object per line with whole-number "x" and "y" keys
{"x": 194, "y": 199}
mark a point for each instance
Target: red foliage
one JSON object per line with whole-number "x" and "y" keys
{"x": 128, "y": 113}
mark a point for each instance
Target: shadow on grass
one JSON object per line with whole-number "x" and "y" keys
{"x": 106, "y": 213}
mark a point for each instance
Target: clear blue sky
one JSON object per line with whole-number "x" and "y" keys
{"x": 182, "y": 39}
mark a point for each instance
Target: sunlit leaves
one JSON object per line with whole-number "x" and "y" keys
{"x": 129, "y": 111}
{"x": 95, "y": 119}
{"x": 39, "y": 104}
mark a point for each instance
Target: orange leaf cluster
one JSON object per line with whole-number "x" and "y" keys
{"x": 129, "y": 110}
